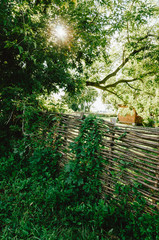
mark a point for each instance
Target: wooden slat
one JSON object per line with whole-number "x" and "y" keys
{"x": 137, "y": 146}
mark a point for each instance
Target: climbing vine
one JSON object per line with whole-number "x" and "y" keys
{"x": 83, "y": 172}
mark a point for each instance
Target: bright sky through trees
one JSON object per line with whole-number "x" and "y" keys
{"x": 108, "y": 45}
{"x": 61, "y": 32}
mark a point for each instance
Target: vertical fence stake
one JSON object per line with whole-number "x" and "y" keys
{"x": 112, "y": 132}
{"x": 112, "y": 140}
{"x": 157, "y": 181}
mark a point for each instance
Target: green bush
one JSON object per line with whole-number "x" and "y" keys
{"x": 40, "y": 200}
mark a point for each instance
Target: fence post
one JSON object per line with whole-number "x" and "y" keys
{"x": 157, "y": 176}
{"x": 82, "y": 116}
{"x": 109, "y": 175}
{"x": 66, "y": 129}
{"x": 112, "y": 131}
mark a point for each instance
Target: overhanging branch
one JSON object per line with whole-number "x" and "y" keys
{"x": 136, "y": 89}
{"x": 102, "y": 84}
{"x": 121, "y": 65}
{"x": 114, "y": 93}
{"x": 112, "y": 85}
{"x": 122, "y": 81}
{"x": 133, "y": 53}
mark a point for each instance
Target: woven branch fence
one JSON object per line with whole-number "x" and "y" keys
{"x": 131, "y": 154}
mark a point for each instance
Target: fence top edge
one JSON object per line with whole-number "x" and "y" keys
{"x": 80, "y": 115}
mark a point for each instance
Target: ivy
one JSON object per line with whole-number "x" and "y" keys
{"x": 41, "y": 200}
{"x": 83, "y": 172}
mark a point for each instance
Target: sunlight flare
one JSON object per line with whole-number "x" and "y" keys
{"x": 60, "y": 32}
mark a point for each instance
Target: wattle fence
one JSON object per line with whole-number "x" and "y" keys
{"x": 131, "y": 154}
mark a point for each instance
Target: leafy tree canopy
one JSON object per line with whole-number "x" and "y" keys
{"x": 127, "y": 70}
{"x": 32, "y": 55}
{"x": 81, "y": 101}
{"x": 36, "y": 58}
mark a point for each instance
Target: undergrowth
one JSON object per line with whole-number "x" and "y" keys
{"x": 41, "y": 200}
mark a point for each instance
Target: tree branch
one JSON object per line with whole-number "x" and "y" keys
{"x": 146, "y": 36}
{"x": 136, "y": 51}
{"x": 122, "y": 81}
{"x": 121, "y": 65}
{"x": 127, "y": 80}
{"x": 115, "y": 95}
{"x": 136, "y": 89}
{"x": 128, "y": 37}
{"x": 97, "y": 84}
{"x": 9, "y": 118}
{"x": 104, "y": 88}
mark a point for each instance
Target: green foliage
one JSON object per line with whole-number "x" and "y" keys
{"x": 83, "y": 172}
{"x": 81, "y": 101}
{"x": 41, "y": 200}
